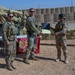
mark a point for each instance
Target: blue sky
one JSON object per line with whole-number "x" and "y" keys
{"x": 26, "y": 4}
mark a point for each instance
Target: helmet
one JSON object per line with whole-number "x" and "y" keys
{"x": 31, "y": 10}
{"x": 61, "y": 16}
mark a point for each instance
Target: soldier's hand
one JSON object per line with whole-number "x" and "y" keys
{"x": 7, "y": 43}
{"x": 41, "y": 33}
{"x": 53, "y": 34}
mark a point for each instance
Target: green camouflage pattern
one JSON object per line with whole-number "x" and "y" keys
{"x": 32, "y": 32}
{"x": 9, "y": 35}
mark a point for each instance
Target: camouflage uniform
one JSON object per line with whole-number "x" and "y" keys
{"x": 60, "y": 36}
{"x": 32, "y": 32}
{"x": 9, "y": 34}
{"x": 61, "y": 40}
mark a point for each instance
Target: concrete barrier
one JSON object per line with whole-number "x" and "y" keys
{"x": 43, "y": 11}
{"x": 57, "y": 10}
{"x": 52, "y": 11}
{"x": 38, "y": 11}
{"x": 62, "y": 10}
{"x": 47, "y": 11}
{"x": 56, "y": 17}
{"x": 67, "y": 9}
{"x": 72, "y": 9}
{"x": 39, "y": 18}
{"x": 47, "y": 17}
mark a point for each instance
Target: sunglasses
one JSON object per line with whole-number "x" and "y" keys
{"x": 32, "y": 11}
{"x": 10, "y": 16}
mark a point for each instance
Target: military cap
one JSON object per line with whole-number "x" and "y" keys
{"x": 31, "y": 10}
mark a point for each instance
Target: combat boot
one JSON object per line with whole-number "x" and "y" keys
{"x": 66, "y": 60}
{"x": 9, "y": 68}
{"x": 8, "y": 65}
{"x": 26, "y": 61}
{"x": 12, "y": 65}
{"x": 58, "y": 59}
{"x": 58, "y": 56}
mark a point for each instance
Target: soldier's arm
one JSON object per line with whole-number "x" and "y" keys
{"x": 36, "y": 24}
{"x": 52, "y": 28}
{"x": 33, "y": 27}
{"x": 4, "y": 35}
{"x": 63, "y": 31}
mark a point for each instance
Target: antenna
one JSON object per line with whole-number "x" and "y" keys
{"x": 71, "y": 3}
{"x": 11, "y": 6}
{"x": 38, "y": 5}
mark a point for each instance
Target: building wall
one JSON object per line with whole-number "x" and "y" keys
{"x": 51, "y": 14}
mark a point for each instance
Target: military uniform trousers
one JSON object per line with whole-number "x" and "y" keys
{"x": 31, "y": 45}
{"x": 61, "y": 44}
{"x": 10, "y": 52}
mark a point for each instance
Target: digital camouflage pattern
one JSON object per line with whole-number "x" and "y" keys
{"x": 9, "y": 34}
{"x": 32, "y": 32}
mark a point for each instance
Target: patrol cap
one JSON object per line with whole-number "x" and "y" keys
{"x": 61, "y": 16}
{"x": 31, "y": 10}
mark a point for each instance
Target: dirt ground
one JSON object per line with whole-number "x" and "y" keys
{"x": 46, "y": 64}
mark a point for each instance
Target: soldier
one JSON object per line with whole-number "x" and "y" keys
{"x": 60, "y": 36}
{"x": 9, "y": 38}
{"x": 32, "y": 32}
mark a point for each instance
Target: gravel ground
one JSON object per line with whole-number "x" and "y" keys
{"x": 46, "y": 64}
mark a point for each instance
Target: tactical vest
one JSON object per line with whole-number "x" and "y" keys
{"x": 11, "y": 29}
{"x": 59, "y": 26}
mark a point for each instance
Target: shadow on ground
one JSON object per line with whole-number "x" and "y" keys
{"x": 2, "y": 65}
{"x": 55, "y": 44}
{"x": 44, "y": 58}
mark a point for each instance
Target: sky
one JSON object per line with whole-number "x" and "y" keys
{"x": 26, "y": 4}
